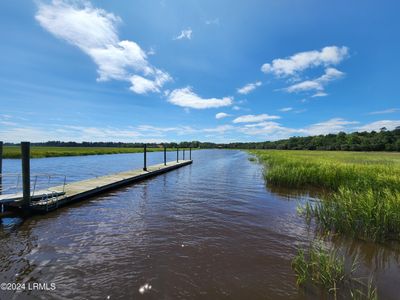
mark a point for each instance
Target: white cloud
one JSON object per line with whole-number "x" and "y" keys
{"x": 219, "y": 129}
{"x": 235, "y": 107}
{"x": 185, "y": 34}
{"x": 254, "y": 118}
{"x": 286, "y": 109}
{"x": 388, "y": 124}
{"x": 386, "y": 111}
{"x": 185, "y": 97}
{"x": 319, "y": 94}
{"x": 249, "y": 88}
{"x": 94, "y": 31}
{"x": 298, "y": 62}
{"x": 316, "y": 84}
{"x": 271, "y": 130}
{"x": 330, "y": 126}
{"x": 221, "y": 115}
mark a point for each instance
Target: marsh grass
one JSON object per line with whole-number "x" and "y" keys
{"x": 362, "y": 190}
{"x": 325, "y": 269}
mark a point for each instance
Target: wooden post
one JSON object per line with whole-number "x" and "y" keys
{"x": 177, "y": 154}
{"x": 26, "y": 173}
{"x": 183, "y": 154}
{"x": 145, "y": 157}
{"x": 1, "y": 166}
{"x": 190, "y": 153}
{"x": 165, "y": 155}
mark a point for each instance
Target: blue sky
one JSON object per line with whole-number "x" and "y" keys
{"x": 217, "y": 71}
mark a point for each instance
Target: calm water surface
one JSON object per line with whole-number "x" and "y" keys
{"x": 211, "y": 230}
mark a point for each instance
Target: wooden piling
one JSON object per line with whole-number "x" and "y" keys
{"x": 183, "y": 154}
{"x": 190, "y": 153}
{"x": 26, "y": 175}
{"x": 177, "y": 154}
{"x": 165, "y": 155}
{"x": 145, "y": 158}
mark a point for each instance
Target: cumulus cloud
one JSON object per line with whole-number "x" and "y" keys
{"x": 290, "y": 66}
{"x": 316, "y": 84}
{"x": 185, "y": 97}
{"x": 185, "y": 34}
{"x": 254, "y": 118}
{"x": 249, "y": 88}
{"x": 221, "y": 115}
{"x": 94, "y": 31}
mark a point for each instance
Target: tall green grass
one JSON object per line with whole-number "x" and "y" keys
{"x": 362, "y": 190}
{"x": 325, "y": 268}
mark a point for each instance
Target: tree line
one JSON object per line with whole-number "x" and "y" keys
{"x": 384, "y": 140}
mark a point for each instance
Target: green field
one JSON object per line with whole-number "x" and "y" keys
{"x": 39, "y": 151}
{"x": 362, "y": 190}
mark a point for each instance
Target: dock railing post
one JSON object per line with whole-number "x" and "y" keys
{"x": 190, "y": 153}
{"x": 165, "y": 155}
{"x": 1, "y": 166}
{"x": 145, "y": 157}
{"x": 177, "y": 154}
{"x": 26, "y": 173}
{"x": 183, "y": 154}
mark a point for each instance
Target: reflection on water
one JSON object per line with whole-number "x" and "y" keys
{"x": 206, "y": 231}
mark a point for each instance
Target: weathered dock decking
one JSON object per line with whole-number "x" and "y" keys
{"x": 61, "y": 195}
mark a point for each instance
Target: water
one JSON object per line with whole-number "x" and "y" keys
{"x": 211, "y": 230}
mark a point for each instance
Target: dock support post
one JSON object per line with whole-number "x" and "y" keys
{"x": 190, "y": 153}
{"x": 26, "y": 173}
{"x": 1, "y": 167}
{"x": 183, "y": 154}
{"x": 145, "y": 157}
{"x": 177, "y": 154}
{"x": 165, "y": 155}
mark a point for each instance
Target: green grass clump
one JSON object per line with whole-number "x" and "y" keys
{"x": 362, "y": 189}
{"x": 42, "y": 151}
{"x": 325, "y": 268}
{"x": 319, "y": 266}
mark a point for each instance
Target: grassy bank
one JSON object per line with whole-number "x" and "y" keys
{"x": 363, "y": 189}
{"x": 38, "y": 151}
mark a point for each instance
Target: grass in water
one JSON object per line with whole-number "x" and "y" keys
{"x": 363, "y": 189}
{"x": 326, "y": 269}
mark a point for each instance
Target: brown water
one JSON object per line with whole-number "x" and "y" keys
{"x": 211, "y": 230}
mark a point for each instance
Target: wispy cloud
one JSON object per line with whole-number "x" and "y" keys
{"x": 388, "y": 124}
{"x": 249, "y": 88}
{"x": 185, "y": 34}
{"x": 254, "y": 118}
{"x": 386, "y": 111}
{"x": 330, "y": 126}
{"x": 94, "y": 31}
{"x": 212, "y": 21}
{"x": 185, "y": 97}
{"x": 221, "y": 115}
{"x": 286, "y": 109}
{"x": 301, "y": 61}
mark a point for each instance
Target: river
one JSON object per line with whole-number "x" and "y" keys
{"x": 211, "y": 230}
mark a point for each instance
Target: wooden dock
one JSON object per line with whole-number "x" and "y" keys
{"x": 54, "y": 197}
